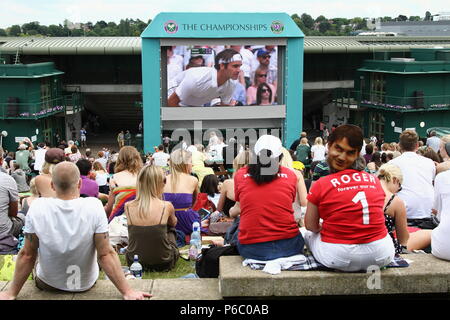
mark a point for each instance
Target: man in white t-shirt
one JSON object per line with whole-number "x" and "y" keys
{"x": 39, "y": 157}
{"x": 418, "y": 175}
{"x": 160, "y": 158}
{"x": 68, "y": 234}
{"x": 433, "y": 141}
{"x": 199, "y": 86}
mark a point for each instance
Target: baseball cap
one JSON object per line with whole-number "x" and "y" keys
{"x": 54, "y": 155}
{"x": 262, "y": 52}
{"x": 269, "y": 142}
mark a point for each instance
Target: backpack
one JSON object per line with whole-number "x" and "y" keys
{"x": 208, "y": 264}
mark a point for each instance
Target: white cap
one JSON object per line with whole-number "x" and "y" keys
{"x": 271, "y": 143}
{"x": 191, "y": 149}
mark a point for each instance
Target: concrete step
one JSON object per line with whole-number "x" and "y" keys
{"x": 426, "y": 274}
{"x": 161, "y": 289}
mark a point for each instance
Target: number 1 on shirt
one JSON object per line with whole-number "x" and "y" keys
{"x": 361, "y": 197}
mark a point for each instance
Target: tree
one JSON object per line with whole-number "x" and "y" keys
{"x": 414, "y": 18}
{"x": 15, "y": 31}
{"x": 320, "y": 19}
{"x": 101, "y": 24}
{"x": 298, "y": 21}
{"x": 401, "y": 18}
{"x": 124, "y": 28}
{"x": 55, "y": 31}
{"x": 428, "y": 16}
{"x": 3, "y": 33}
{"x": 308, "y": 21}
{"x": 324, "y": 26}
{"x": 27, "y": 27}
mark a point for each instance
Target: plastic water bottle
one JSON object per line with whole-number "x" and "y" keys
{"x": 195, "y": 244}
{"x": 196, "y": 235}
{"x": 136, "y": 268}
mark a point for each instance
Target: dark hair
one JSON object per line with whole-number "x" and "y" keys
{"x": 431, "y": 154}
{"x": 88, "y": 153}
{"x": 353, "y": 134}
{"x": 160, "y": 147}
{"x": 408, "y": 140}
{"x": 376, "y": 158}
{"x": 259, "y": 92}
{"x": 384, "y": 158}
{"x": 226, "y": 54}
{"x": 85, "y": 166}
{"x": 195, "y": 58}
{"x": 265, "y": 169}
{"x": 210, "y": 185}
{"x": 369, "y": 148}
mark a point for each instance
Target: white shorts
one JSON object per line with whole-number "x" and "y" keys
{"x": 83, "y": 138}
{"x": 351, "y": 257}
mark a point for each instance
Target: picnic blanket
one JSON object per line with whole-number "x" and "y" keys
{"x": 302, "y": 262}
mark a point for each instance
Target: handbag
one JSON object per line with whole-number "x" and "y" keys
{"x": 207, "y": 266}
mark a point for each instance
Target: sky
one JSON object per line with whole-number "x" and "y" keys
{"x": 56, "y": 11}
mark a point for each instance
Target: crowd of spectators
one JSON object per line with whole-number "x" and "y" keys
{"x": 350, "y": 202}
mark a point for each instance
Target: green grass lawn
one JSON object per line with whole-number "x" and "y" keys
{"x": 182, "y": 268}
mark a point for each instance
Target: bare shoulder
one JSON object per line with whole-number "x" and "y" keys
{"x": 169, "y": 206}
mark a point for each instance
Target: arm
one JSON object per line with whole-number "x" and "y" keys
{"x": 110, "y": 263}
{"x": 312, "y": 219}
{"x": 301, "y": 191}
{"x": 174, "y": 100}
{"x": 235, "y": 211}
{"x": 13, "y": 208}
{"x": 172, "y": 220}
{"x": 223, "y": 195}
{"x": 25, "y": 262}
{"x": 400, "y": 221}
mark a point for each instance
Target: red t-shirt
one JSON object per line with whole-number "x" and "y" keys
{"x": 266, "y": 210}
{"x": 351, "y": 204}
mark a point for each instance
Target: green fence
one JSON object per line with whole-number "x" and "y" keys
{"x": 348, "y": 98}
{"x": 13, "y": 110}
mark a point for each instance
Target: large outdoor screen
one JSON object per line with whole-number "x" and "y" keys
{"x": 209, "y": 76}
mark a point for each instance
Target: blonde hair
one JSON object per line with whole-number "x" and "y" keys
{"x": 303, "y": 141}
{"x": 47, "y": 168}
{"x": 129, "y": 159}
{"x": 149, "y": 186}
{"x": 33, "y": 189}
{"x": 241, "y": 160}
{"x": 286, "y": 160}
{"x": 97, "y": 166}
{"x": 318, "y": 141}
{"x": 179, "y": 164}
{"x": 388, "y": 172}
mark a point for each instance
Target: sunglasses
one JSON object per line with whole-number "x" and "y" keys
{"x": 265, "y": 57}
{"x": 264, "y": 90}
{"x": 262, "y": 75}
{"x": 399, "y": 187}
